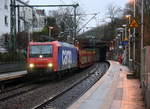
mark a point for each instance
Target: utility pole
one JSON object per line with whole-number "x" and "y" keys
{"x": 125, "y": 39}
{"x": 142, "y": 36}
{"x": 13, "y": 18}
{"x": 13, "y": 25}
{"x": 134, "y": 31}
{"x": 129, "y": 40}
{"x": 142, "y": 25}
{"x": 129, "y": 37}
{"x": 18, "y": 19}
{"x": 75, "y": 22}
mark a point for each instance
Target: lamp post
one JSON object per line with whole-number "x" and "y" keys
{"x": 50, "y": 28}
{"x": 125, "y": 39}
{"x": 129, "y": 17}
{"x": 142, "y": 36}
{"x": 134, "y": 15}
{"x": 142, "y": 25}
{"x": 125, "y": 30}
{"x": 129, "y": 36}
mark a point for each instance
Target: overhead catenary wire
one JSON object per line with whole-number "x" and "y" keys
{"x": 87, "y": 22}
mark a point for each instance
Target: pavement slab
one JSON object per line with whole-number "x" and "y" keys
{"x": 112, "y": 91}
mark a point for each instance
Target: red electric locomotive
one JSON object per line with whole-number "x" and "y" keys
{"x": 51, "y": 56}
{"x": 59, "y": 56}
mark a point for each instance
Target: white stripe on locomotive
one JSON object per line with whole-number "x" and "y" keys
{"x": 66, "y": 57}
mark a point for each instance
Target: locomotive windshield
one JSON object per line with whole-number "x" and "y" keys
{"x": 41, "y": 51}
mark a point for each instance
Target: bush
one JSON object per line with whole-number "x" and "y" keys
{"x": 12, "y": 57}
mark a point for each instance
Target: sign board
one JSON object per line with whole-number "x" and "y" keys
{"x": 124, "y": 42}
{"x": 120, "y": 43}
{"x": 133, "y": 24}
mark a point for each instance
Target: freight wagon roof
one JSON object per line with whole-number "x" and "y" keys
{"x": 90, "y": 43}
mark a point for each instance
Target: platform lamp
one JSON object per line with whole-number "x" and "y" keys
{"x": 125, "y": 39}
{"x": 129, "y": 30}
{"x": 50, "y": 30}
{"x": 129, "y": 36}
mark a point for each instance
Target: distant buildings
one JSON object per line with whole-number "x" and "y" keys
{"x": 24, "y": 18}
{"x": 39, "y": 19}
{"x": 27, "y": 19}
{"x": 5, "y": 17}
{"x": 4, "y": 22}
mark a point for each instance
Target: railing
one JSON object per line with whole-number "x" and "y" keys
{"x": 12, "y": 62}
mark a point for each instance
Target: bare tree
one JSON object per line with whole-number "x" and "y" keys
{"x": 113, "y": 11}
{"x": 65, "y": 20}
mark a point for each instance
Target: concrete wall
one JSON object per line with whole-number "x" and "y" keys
{"x": 25, "y": 13}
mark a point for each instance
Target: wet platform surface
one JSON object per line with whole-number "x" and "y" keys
{"x": 12, "y": 75}
{"x": 112, "y": 91}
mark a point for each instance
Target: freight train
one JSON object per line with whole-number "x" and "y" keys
{"x": 56, "y": 57}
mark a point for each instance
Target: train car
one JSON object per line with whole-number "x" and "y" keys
{"x": 51, "y": 57}
{"x": 86, "y": 57}
{"x": 58, "y": 57}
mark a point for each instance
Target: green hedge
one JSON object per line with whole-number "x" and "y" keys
{"x": 12, "y": 57}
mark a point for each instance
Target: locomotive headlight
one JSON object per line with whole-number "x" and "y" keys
{"x": 50, "y": 65}
{"x": 31, "y": 65}
{"x": 41, "y": 56}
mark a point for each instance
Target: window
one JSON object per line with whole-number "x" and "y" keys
{"x": 6, "y": 20}
{"x": 6, "y": 4}
{"x": 44, "y": 50}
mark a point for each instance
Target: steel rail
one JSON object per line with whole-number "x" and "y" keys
{"x": 59, "y": 94}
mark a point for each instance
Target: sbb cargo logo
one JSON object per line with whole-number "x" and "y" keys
{"x": 66, "y": 57}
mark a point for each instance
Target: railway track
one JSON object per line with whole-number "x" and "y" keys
{"x": 25, "y": 87}
{"x": 58, "y": 90}
{"x": 46, "y": 104}
{"x": 19, "y": 90}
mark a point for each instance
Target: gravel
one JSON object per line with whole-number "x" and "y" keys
{"x": 72, "y": 95}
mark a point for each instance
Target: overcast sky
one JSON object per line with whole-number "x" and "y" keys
{"x": 88, "y": 6}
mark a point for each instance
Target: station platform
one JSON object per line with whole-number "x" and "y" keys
{"x": 12, "y": 75}
{"x": 112, "y": 91}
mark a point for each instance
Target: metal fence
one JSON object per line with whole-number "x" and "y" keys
{"x": 10, "y": 62}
